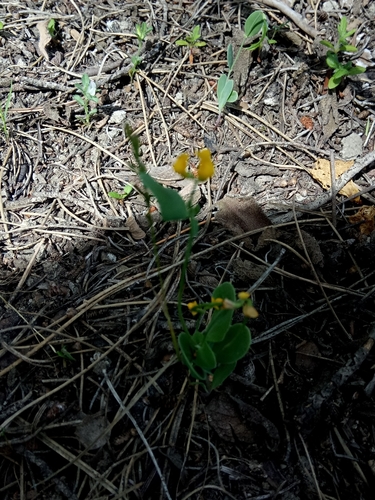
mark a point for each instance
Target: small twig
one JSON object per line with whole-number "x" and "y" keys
{"x": 292, "y": 14}
{"x": 267, "y": 273}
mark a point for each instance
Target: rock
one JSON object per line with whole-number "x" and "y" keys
{"x": 351, "y": 146}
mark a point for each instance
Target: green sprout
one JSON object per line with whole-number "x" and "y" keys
{"x": 334, "y": 57}
{"x": 51, "y": 27}
{"x": 192, "y": 41}
{"x": 255, "y": 24}
{"x": 141, "y": 31}
{"x": 121, "y": 196}
{"x": 65, "y": 354}
{"x": 88, "y": 90}
{"x": 213, "y": 349}
{"x": 4, "y": 113}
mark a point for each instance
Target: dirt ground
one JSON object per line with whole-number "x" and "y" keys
{"x": 93, "y": 403}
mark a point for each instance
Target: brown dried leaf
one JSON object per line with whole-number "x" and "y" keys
{"x": 241, "y": 215}
{"x": 44, "y": 38}
{"x": 226, "y": 420}
{"x": 135, "y": 230}
{"x": 366, "y": 216}
{"x": 322, "y": 173}
{"x": 307, "y": 122}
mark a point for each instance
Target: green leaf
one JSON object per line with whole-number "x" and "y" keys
{"x": 115, "y": 195}
{"x": 235, "y": 344}
{"x": 225, "y": 291}
{"x": 233, "y": 97}
{"x": 221, "y": 319}
{"x": 196, "y": 33}
{"x": 356, "y": 70}
{"x": 205, "y": 358}
{"x": 332, "y": 60}
{"x": 181, "y": 43}
{"x": 219, "y": 325}
{"x": 188, "y": 353}
{"x": 172, "y": 206}
{"x": 348, "y": 48}
{"x": 85, "y": 81}
{"x": 230, "y": 58}
{"x": 333, "y": 83}
{"x": 79, "y": 99}
{"x": 340, "y": 73}
{"x": 224, "y": 90}
{"x": 221, "y": 373}
{"x": 341, "y": 27}
{"x": 65, "y": 354}
{"x": 254, "y": 23}
{"x": 200, "y": 44}
{"x": 1, "y": 25}
{"x": 328, "y": 44}
{"x": 254, "y": 46}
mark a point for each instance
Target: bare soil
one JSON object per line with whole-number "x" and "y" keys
{"x": 93, "y": 403}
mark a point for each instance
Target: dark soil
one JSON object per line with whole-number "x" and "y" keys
{"x": 93, "y": 403}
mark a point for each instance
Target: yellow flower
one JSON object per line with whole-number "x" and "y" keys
{"x": 243, "y": 295}
{"x": 180, "y": 165}
{"x": 192, "y": 306}
{"x": 206, "y": 168}
{"x": 249, "y": 311}
{"x": 218, "y": 301}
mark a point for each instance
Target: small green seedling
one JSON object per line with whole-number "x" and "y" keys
{"x": 88, "y": 89}
{"x": 141, "y": 31}
{"x": 65, "y": 354}
{"x": 255, "y": 24}
{"x": 51, "y": 27}
{"x": 192, "y": 41}
{"x": 121, "y": 196}
{"x": 4, "y": 113}
{"x": 334, "y": 58}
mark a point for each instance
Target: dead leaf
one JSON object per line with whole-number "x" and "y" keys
{"x": 90, "y": 429}
{"x": 227, "y": 421}
{"x": 135, "y": 230}
{"x": 241, "y": 215}
{"x": 307, "y": 122}
{"x": 44, "y": 38}
{"x": 322, "y": 173}
{"x": 366, "y": 217}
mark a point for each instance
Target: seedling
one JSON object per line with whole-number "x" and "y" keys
{"x": 255, "y": 24}
{"x": 65, "y": 354}
{"x": 141, "y": 31}
{"x": 192, "y": 41}
{"x": 334, "y": 56}
{"x": 4, "y": 113}
{"x": 51, "y": 27}
{"x": 88, "y": 90}
{"x": 121, "y": 196}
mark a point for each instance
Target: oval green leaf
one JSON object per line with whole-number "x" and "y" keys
{"x": 235, "y": 344}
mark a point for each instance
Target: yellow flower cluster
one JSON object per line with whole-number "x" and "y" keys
{"x": 244, "y": 301}
{"x": 206, "y": 167}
